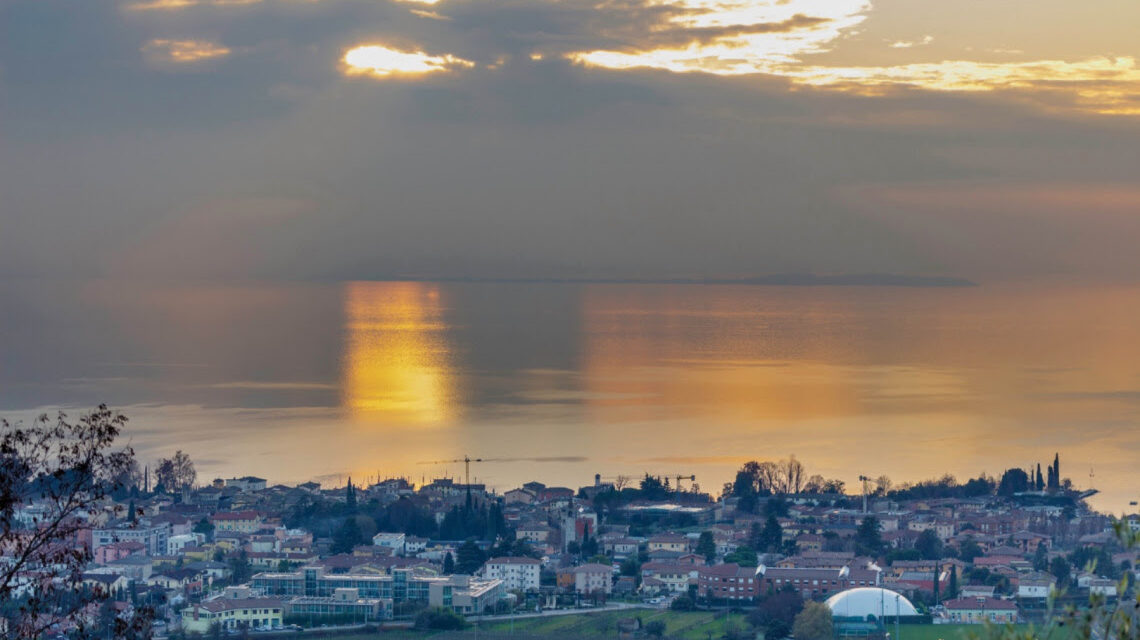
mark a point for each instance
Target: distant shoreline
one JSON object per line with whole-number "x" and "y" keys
{"x": 776, "y": 280}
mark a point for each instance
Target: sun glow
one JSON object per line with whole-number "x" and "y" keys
{"x": 381, "y": 61}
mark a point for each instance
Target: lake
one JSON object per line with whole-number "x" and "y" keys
{"x": 557, "y": 382}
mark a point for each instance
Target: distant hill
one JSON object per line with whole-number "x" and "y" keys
{"x": 781, "y": 280}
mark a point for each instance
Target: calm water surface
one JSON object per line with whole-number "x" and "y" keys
{"x": 558, "y": 382}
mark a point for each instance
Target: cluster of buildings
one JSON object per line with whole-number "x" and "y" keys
{"x": 223, "y": 556}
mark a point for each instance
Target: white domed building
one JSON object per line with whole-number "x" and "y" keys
{"x": 870, "y": 601}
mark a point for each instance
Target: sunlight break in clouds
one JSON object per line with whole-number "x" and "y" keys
{"x": 164, "y": 50}
{"x": 753, "y": 46}
{"x": 382, "y": 61}
{"x": 1102, "y": 85}
{"x": 1107, "y": 85}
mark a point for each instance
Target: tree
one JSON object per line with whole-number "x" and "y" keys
{"x": 776, "y": 613}
{"x": 706, "y": 546}
{"x": 448, "y": 564}
{"x": 1061, "y": 570}
{"x": 205, "y": 528}
{"x": 350, "y": 497}
{"x": 177, "y": 473}
{"x": 441, "y": 619}
{"x": 469, "y": 558}
{"x": 813, "y": 623}
{"x": 1013, "y": 481}
{"x": 65, "y": 468}
{"x": 952, "y": 588}
{"x": 969, "y": 549}
{"x": 744, "y": 556}
{"x": 793, "y": 475}
{"x": 868, "y": 537}
{"x": 348, "y": 536}
{"x": 928, "y": 545}
{"x": 653, "y": 489}
{"x": 882, "y": 485}
{"x": 655, "y": 628}
{"x": 772, "y": 536}
{"x": 682, "y": 603}
{"x": 240, "y": 569}
{"x": 1041, "y": 558}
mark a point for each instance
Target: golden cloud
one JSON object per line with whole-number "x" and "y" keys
{"x": 381, "y": 61}
{"x": 181, "y": 52}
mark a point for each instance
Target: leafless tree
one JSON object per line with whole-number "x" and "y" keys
{"x": 792, "y": 471}
{"x": 177, "y": 473}
{"x": 53, "y": 472}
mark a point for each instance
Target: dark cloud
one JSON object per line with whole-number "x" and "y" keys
{"x": 268, "y": 162}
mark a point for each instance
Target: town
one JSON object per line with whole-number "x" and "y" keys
{"x": 239, "y": 555}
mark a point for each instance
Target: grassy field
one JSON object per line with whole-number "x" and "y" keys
{"x": 696, "y": 625}
{"x": 937, "y": 631}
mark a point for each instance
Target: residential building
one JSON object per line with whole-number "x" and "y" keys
{"x": 397, "y": 542}
{"x": 669, "y": 542}
{"x": 728, "y": 582}
{"x": 817, "y": 583}
{"x": 236, "y": 522}
{"x": 248, "y": 483}
{"x": 153, "y": 537}
{"x": 673, "y": 577}
{"x": 517, "y": 574}
{"x": 979, "y": 610}
{"x": 593, "y": 578}
{"x": 229, "y": 613}
{"x": 1035, "y": 586}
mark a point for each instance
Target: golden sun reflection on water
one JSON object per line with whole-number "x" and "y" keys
{"x": 397, "y": 364}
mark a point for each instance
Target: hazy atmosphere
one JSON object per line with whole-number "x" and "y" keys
{"x": 350, "y": 139}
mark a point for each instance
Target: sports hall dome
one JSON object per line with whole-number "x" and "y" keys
{"x": 870, "y": 601}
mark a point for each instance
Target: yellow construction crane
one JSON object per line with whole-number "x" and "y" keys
{"x": 466, "y": 460}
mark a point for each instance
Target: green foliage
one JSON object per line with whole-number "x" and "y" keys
{"x": 772, "y": 536}
{"x": 348, "y": 536}
{"x": 652, "y": 488}
{"x": 1013, "y": 481}
{"x": 1095, "y": 560}
{"x": 744, "y": 556}
{"x": 813, "y": 623}
{"x": 630, "y": 566}
{"x": 1061, "y": 570}
{"x": 448, "y": 564}
{"x": 240, "y": 569}
{"x": 204, "y": 527}
{"x": 868, "y": 537}
{"x": 655, "y": 628}
{"x": 706, "y": 546}
{"x": 1100, "y": 620}
{"x": 969, "y": 549}
{"x": 440, "y": 619}
{"x": 776, "y": 613}
{"x": 682, "y": 603}
{"x": 928, "y": 545}
{"x": 1041, "y": 556}
{"x": 469, "y": 557}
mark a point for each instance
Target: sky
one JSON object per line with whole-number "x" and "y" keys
{"x": 370, "y": 139}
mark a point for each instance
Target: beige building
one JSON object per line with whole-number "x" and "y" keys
{"x": 254, "y": 613}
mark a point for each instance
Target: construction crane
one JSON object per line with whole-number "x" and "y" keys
{"x": 679, "y": 477}
{"x": 466, "y": 460}
{"x": 864, "y": 480}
